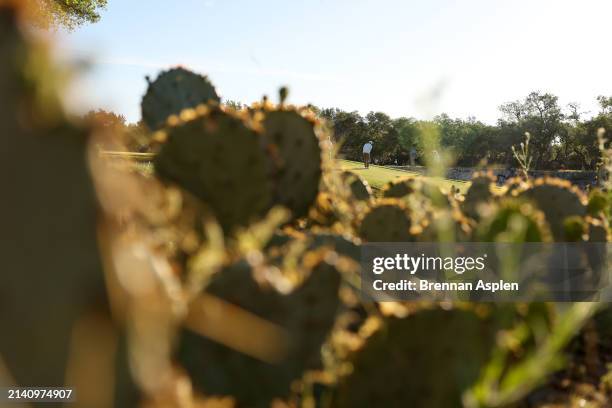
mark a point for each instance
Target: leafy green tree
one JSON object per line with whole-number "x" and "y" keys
{"x": 583, "y": 145}
{"x": 66, "y": 13}
{"x": 105, "y": 119}
{"x": 381, "y": 131}
{"x": 541, "y": 116}
{"x": 350, "y": 131}
{"x": 605, "y": 103}
{"x": 408, "y": 138}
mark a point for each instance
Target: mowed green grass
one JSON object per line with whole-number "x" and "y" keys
{"x": 378, "y": 176}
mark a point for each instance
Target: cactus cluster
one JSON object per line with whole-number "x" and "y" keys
{"x": 255, "y": 303}
{"x": 240, "y": 164}
{"x": 302, "y": 320}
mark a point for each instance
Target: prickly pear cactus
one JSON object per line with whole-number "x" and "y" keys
{"x": 387, "y": 221}
{"x": 574, "y": 228}
{"x": 399, "y": 366}
{"x": 557, "y": 199}
{"x": 359, "y": 188}
{"x": 219, "y": 159}
{"x": 306, "y": 315}
{"x": 291, "y": 142}
{"x": 53, "y": 273}
{"x": 445, "y": 226}
{"x": 406, "y": 187}
{"x": 480, "y": 192}
{"x": 599, "y": 203}
{"x": 172, "y": 92}
{"x": 322, "y": 212}
{"x": 400, "y": 188}
{"x": 513, "y": 186}
{"x": 513, "y": 220}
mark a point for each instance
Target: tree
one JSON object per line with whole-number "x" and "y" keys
{"x": 540, "y": 115}
{"x": 605, "y": 103}
{"x": 350, "y": 131}
{"x": 105, "y": 119}
{"x": 384, "y": 135}
{"x": 408, "y": 137}
{"x": 66, "y": 13}
{"x": 560, "y": 138}
{"x": 469, "y": 141}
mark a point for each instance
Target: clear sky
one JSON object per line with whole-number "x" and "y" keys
{"x": 405, "y": 58}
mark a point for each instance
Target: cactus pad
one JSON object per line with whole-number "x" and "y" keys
{"x": 306, "y": 315}
{"x": 173, "y": 91}
{"x": 291, "y": 142}
{"x": 480, "y": 191}
{"x": 387, "y": 221}
{"x": 445, "y": 226}
{"x": 511, "y": 220}
{"x": 399, "y": 365}
{"x": 360, "y": 189}
{"x": 599, "y": 202}
{"x": 219, "y": 160}
{"x": 399, "y": 188}
{"x": 557, "y": 199}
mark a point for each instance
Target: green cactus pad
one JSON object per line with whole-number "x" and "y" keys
{"x": 172, "y": 92}
{"x": 557, "y": 199}
{"x": 219, "y": 160}
{"x": 419, "y": 193}
{"x": 426, "y": 360}
{"x": 387, "y": 221}
{"x": 400, "y": 188}
{"x": 574, "y": 228}
{"x": 513, "y": 186}
{"x": 359, "y": 188}
{"x": 480, "y": 192}
{"x": 513, "y": 220}
{"x": 291, "y": 142}
{"x": 444, "y": 226}
{"x": 307, "y": 314}
{"x": 599, "y": 202}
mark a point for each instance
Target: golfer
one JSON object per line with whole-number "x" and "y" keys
{"x": 367, "y": 148}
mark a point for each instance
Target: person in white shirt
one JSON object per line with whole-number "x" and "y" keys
{"x": 367, "y": 149}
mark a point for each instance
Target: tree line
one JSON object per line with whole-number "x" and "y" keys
{"x": 560, "y": 137}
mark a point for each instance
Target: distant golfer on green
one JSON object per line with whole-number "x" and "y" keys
{"x": 367, "y": 149}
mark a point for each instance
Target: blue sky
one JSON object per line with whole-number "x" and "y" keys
{"x": 405, "y": 58}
